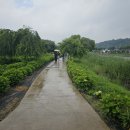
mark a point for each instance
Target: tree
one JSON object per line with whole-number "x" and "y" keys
{"x": 76, "y": 46}
{"x": 87, "y": 43}
{"x": 73, "y": 46}
{"x": 7, "y": 48}
{"x": 49, "y": 45}
{"x": 29, "y": 43}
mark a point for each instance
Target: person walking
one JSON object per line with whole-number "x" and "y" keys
{"x": 55, "y": 56}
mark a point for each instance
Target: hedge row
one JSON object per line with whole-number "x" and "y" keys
{"x": 3, "y": 68}
{"x": 17, "y": 72}
{"x": 79, "y": 77}
{"x": 114, "y": 100}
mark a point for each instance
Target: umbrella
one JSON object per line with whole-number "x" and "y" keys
{"x": 56, "y": 50}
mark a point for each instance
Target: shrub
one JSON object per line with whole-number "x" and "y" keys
{"x": 14, "y": 75}
{"x": 31, "y": 67}
{"x": 24, "y": 71}
{"x": 34, "y": 64}
{"x": 79, "y": 77}
{"x": 4, "y": 84}
{"x": 16, "y": 65}
{"x": 28, "y": 70}
{"x": 117, "y": 108}
{"x": 2, "y": 69}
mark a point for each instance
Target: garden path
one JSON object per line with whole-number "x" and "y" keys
{"x": 53, "y": 103}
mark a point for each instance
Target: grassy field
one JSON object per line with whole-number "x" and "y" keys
{"x": 115, "y": 69}
{"x": 100, "y": 79}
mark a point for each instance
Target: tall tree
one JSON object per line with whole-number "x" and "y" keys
{"x": 29, "y": 43}
{"x": 73, "y": 46}
{"x": 87, "y": 43}
{"x": 48, "y": 45}
{"x": 7, "y": 48}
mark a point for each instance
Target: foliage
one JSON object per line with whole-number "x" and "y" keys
{"x": 24, "y": 43}
{"x": 88, "y": 44}
{"x": 116, "y": 69}
{"x": 48, "y": 45}
{"x": 76, "y": 46}
{"x": 4, "y": 84}
{"x": 117, "y": 108}
{"x": 14, "y": 75}
{"x": 29, "y": 44}
{"x": 2, "y": 69}
{"x": 7, "y": 42}
{"x": 79, "y": 77}
{"x": 16, "y": 65}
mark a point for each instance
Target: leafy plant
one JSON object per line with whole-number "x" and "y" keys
{"x": 14, "y": 75}
{"x": 79, "y": 77}
{"x": 117, "y": 108}
{"x": 4, "y": 84}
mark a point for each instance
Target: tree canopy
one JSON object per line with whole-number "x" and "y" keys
{"x": 76, "y": 46}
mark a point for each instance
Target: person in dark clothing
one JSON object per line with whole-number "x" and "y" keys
{"x": 55, "y": 55}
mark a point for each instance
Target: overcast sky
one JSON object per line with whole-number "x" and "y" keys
{"x": 57, "y": 19}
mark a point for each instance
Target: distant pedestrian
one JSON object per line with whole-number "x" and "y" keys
{"x": 55, "y": 56}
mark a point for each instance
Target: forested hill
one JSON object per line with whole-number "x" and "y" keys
{"x": 114, "y": 43}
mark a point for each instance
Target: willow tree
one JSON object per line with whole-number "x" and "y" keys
{"x": 73, "y": 46}
{"x": 29, "y": 43}
{"x": 7, "y": 43}
{"x": 76, "y": 46}
{"x": 88, "y": 43}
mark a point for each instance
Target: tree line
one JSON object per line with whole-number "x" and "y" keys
{"x": 27, "y": 44}
{"x": 24, "y": 42}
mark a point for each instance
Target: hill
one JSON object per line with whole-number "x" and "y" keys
{"x": 114, "y": 43}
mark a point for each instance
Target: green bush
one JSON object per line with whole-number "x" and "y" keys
{"x": 117, "y": 108}
{"x": 4, "y": 84}
{"x": 16, "y": 65}
{"x": 28, "y": 70}
{"x": 24, "y": 71}
{"x": 31, "y": 67}
{"x": 34, "y": 64}
{"x": 2, "y": 69}
{"x": 14, "y": 75}
{"x": 79, "y": 77}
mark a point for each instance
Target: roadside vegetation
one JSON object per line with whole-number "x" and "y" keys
{"x": 115, "y": 69}
{"x": 100, "y": 79}
{"x": 21, "y": 53}
{"x": 112, "y": 100}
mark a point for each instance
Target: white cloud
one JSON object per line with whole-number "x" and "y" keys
{"x": 58, "y": 19}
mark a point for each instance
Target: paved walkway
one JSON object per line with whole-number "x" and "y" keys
{"x": 52, "y": 103}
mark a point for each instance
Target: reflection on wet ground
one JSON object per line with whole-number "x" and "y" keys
{"x": 52, "y": 103}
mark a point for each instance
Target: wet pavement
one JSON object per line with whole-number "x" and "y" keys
{"x": 52, "y": 103}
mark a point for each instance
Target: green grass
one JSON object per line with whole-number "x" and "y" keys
{"x": 114, "y": 68}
